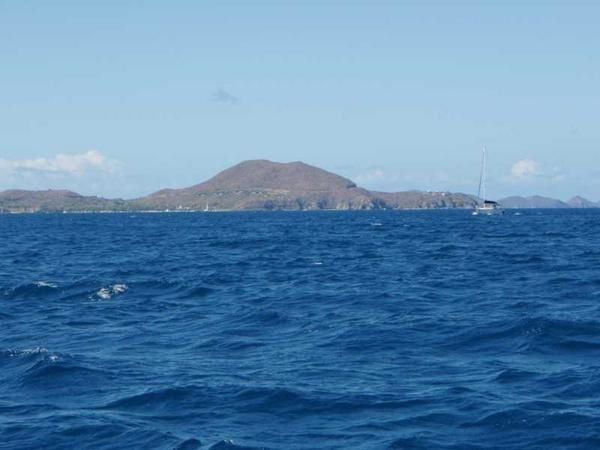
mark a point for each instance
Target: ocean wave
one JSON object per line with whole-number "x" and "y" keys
{"x": 55, "y": 369}
{"x": 33, "y": 290}
{"x": 66, "y": 379}
{"x": 530, "y": 333}
{"x": 105, "y": 434}
{"x": 197, "y": 292}
{"x": 527, "y": 416}
{"x": 189, "y": 444}
{"x": 509, "y": 419}
{"x": 157, "y": 401}
{"x": 35, "y": 351}
{"x": 38, "y": 368}
{"x": 174, "y": 401}
{"x": 229, "y": 444}
{"x": 411, "y": 443}
{"x": 512, "y": 375}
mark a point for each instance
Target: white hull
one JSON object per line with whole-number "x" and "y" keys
{"x": 487, "y": 211}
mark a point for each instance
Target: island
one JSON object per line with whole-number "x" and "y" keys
{"x": 261, "y": 185}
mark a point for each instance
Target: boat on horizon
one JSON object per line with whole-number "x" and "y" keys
{"x": 485, "y": 207}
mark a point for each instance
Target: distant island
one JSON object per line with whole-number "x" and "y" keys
{"x": 265, "y": 186}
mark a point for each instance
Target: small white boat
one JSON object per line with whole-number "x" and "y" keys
{"x": 485, "y": 207}
{"x": 488, "y": 208}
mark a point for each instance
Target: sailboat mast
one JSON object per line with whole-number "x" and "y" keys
{"x": 481, "y": 190}
{"x": 483, "y": 174}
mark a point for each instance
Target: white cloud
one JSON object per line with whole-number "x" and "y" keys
{"x": 90, "y": 173}
{"x": 525, "y": 169}
{"x": 62, "y": 164}
{"x": 535, "y": 175}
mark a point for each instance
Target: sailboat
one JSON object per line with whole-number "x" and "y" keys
{"x": 484, "y": 206}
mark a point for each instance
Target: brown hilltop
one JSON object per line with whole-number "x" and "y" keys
{"x": 262, "y": 184}
{"x": 263, "y": 174}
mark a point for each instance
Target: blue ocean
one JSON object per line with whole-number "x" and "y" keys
{"x": 307, "y": 330}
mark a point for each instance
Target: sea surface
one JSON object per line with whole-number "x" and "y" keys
{"x": 308, "y": 330}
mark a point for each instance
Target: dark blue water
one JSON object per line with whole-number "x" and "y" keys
{"x": 400, "y": 330}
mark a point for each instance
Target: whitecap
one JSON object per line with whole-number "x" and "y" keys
{"x": 45, "y": 284}
{"x": 104, "y": 293}
{"x": 34, "y": 351}
{"x": 109, "y": 292}
{"x": 13, "y": 353}
{"x": 37, "y": 352}
{"x": 120, "y": 288}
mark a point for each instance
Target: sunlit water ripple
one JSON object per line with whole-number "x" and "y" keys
{"x": 329, "y": 330}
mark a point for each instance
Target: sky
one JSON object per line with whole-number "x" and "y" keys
{"x": 121, "y": 98}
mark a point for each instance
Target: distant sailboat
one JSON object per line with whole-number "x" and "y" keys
{"x": 206, "y": 208}
{"x": 484, "y": 206}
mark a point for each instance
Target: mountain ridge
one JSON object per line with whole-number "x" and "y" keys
{"x": 541, "y": 202}
{"x": 265, "y": 185}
